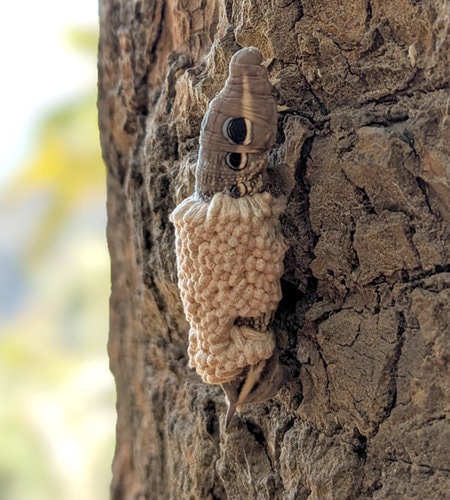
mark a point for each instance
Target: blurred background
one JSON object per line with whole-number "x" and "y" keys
{"x": 57, "y": 397}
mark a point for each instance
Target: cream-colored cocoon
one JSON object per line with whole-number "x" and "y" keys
{"x": 230, "y": 259}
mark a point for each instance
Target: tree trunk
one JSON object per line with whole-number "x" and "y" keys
{"x": 364, "y": 127}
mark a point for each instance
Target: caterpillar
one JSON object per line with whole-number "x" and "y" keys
{"x": 229, "y": 245}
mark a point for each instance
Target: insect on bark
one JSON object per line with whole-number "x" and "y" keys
{"x": 229, "y": 244}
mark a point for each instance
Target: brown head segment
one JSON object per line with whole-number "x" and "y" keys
{"x": 248, "y": 55}
{"x": 238, "y": 129}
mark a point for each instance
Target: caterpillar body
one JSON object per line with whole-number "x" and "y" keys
{"x": 229, "y": 244}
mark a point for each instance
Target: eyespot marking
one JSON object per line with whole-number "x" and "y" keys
{"x": 238, "y": 190}
{"x": 237, "y": 130}
{"x": 236, "y": 161}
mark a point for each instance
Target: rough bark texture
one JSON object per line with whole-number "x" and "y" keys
{"x": 363, "y": 319}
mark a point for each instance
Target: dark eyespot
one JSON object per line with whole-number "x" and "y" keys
{"x": 237, "y": 130}
{"x": 236, "y": 161}
{"x": 238, "y": 190}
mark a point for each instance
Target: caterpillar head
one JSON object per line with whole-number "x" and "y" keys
{"x": 237, "y": 130}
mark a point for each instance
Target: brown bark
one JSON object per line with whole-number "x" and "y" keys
{"x": 362, "y": 322}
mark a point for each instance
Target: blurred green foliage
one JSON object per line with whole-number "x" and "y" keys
{"x": 67, "y": 164}
{"x": 56, "y": 393}
{"x": 82, "y": 39}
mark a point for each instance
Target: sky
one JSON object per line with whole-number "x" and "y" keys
{"x": 38, "y": 72}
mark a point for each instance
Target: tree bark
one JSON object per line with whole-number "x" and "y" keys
{"x": 362, "y": 323}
